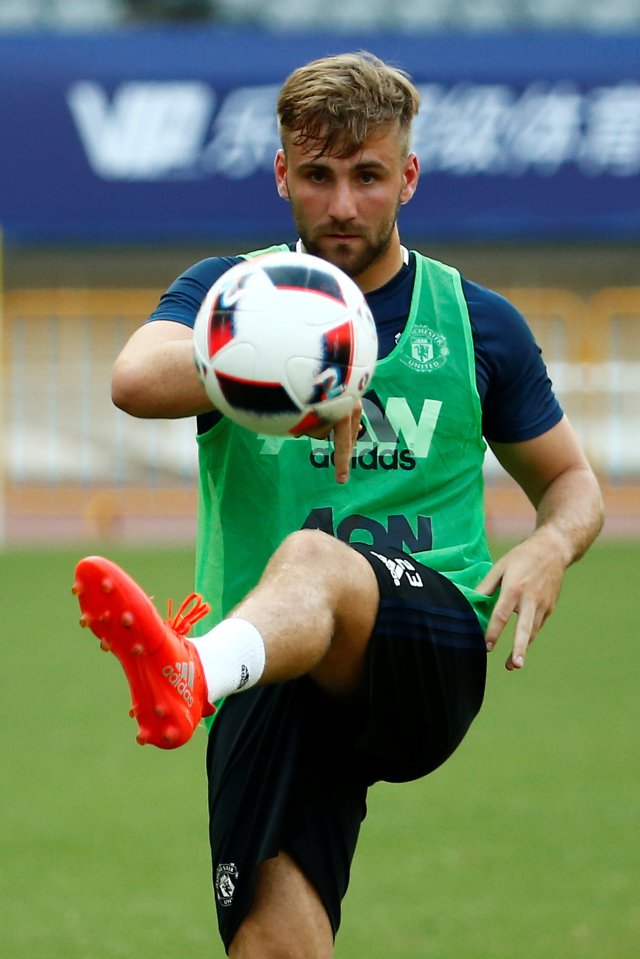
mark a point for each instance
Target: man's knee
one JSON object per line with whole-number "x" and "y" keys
{"x": 311, "y": 547}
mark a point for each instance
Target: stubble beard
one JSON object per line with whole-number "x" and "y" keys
{"x": 352, "y": 262}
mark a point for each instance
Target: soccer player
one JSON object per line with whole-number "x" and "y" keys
{"x": 354, "y": 598}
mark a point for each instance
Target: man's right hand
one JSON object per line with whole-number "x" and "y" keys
{"x": 344, "y": 434}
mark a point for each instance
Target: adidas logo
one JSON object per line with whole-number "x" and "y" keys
{"x": 370, "y": 459}
{"x": 181, "y": 676}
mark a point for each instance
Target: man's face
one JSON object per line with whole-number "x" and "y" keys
{"x": 345, "y": 208}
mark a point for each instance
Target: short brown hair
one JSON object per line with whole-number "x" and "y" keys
{"x": 340, "y": 101}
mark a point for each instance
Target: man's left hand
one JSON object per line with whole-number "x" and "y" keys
{"x": 530, "y": 578}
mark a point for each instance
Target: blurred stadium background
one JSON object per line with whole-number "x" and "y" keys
{"x": 139, "y": 137}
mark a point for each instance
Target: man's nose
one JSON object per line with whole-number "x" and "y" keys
{"x": 343, "y": 202}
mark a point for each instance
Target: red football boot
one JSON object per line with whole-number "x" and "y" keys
{"x": 164, "y": 671}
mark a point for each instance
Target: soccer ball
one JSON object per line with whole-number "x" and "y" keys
{"x": 285, "y": 343}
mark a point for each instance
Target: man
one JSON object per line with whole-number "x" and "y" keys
{"x": 355, "y": 607}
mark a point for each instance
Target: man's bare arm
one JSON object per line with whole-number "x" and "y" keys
{"x": 554, "y": 473}
{"x": 155, "y": 377}
{"x": 155, "y": 374}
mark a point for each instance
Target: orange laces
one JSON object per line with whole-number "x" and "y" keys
{"x": 185, "y": 618}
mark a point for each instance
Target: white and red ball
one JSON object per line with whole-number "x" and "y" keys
{"x": 284, "y": 343}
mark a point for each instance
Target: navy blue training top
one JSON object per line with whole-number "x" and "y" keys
{"x": 518, "y": 402}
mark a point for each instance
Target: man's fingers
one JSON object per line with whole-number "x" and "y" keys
{"x": 521, "y": 639}
{"x": 489, "y": 584}
{"x": 530, "y": 622}
{"x": 529, "y": 579}
{"x": 499, "y": 619}
{"x": 345, "y": 435}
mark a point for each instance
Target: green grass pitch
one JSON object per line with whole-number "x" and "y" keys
{"x": 524, "y": 845}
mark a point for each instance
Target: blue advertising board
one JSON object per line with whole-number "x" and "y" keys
{"x": 169, "y": 135}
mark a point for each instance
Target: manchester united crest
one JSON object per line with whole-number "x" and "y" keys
{"x": 426, "y": 351}
{"x": 225, "y": 882}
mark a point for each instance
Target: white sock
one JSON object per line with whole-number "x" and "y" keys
{"x": 232, "y": 655}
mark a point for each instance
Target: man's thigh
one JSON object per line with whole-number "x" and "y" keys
{"x": 426, "y": 670}
{"x": 287, "y": 916}
{"x": 280, "y": 779}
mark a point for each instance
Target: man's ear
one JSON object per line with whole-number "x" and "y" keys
{"x": 411, "y": 177}
{"x": 280, "y": 171}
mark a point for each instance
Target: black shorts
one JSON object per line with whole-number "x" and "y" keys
{"x": 289, "y": 770}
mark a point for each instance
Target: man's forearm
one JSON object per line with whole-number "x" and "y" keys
{"x": 571, "y": 510}
{"x": 159, "y": 382}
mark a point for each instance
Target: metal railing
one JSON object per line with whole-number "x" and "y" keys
{"x": 68, "y": 451}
